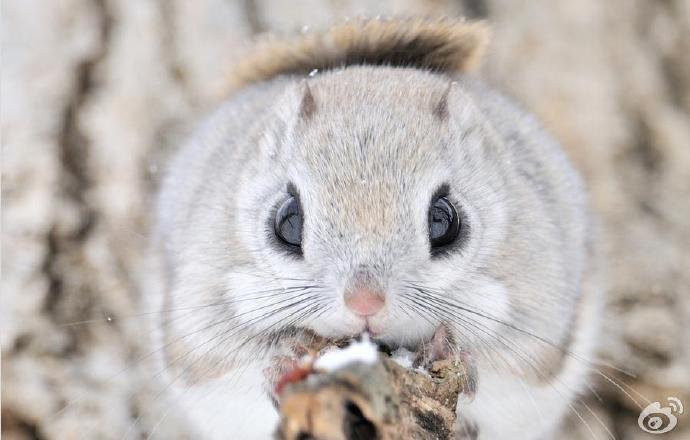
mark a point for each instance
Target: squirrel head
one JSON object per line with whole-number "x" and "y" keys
{"x": 377, "y": 182}
{"x": 375, "y": 194}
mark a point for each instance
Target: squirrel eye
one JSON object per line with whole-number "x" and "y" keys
{"x": 288, "y": 223}
{"x": 444, "y": 223}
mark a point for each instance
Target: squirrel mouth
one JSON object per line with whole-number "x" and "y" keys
{"x": 441, "y": 344}
{"x": 370, "y": 330}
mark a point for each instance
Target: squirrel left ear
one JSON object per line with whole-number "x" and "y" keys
{"x": 440, "y": 109}
{"x": 456, "y": 104}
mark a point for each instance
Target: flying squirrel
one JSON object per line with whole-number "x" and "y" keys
{"x": 361, "y": 179}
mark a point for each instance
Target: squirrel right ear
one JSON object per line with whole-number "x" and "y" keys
{"x": 307, "y": 105}
{"x": 296, "y": 105}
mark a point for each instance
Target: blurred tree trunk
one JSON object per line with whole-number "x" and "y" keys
{"x": 96, "y": 93}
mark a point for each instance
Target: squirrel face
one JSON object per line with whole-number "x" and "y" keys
{"x": 381, "y": 191}
{"x": 369, "y": 199}
{"x": 377, "y": 197}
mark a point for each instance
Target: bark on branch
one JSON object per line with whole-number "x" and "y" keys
{"x": 383, "y": 400}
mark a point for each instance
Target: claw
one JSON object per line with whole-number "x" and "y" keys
{"x": 279, "y": 365}
{"x": 442, "y": 349}
{"x": 292, "y": 365}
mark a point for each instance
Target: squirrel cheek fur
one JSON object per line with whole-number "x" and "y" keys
{"x": 365, "y": 148}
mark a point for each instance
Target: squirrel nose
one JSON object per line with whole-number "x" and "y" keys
{"x": 363, "y": 301}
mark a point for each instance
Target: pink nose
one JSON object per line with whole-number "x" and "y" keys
{"x": 364, "y": 302}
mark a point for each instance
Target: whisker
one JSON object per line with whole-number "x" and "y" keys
{"x": 300, "y": 297}
{"x": 261, "y": 294}
{"x": 467, "y": 308}
{"x": 225, "y": 336}
{"x": 149, "y": 354}
{"x": 521, "y": 355}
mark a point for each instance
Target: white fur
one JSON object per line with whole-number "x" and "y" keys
{"x": 234, "y": 406}
{"x": 366, "y": 164}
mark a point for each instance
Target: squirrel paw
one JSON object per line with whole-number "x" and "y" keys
{"x": 290, "y": 364}
{"x": 442, "y": 349}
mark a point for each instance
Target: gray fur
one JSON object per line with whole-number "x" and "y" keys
{"x": 366, "y": 161}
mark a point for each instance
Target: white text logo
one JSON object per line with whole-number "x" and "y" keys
{"x": 656, "y": 419}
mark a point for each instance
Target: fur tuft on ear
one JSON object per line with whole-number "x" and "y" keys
{"x": 443, "y": 45}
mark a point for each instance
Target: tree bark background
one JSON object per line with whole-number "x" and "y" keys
{"x": 97, "y": 93}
